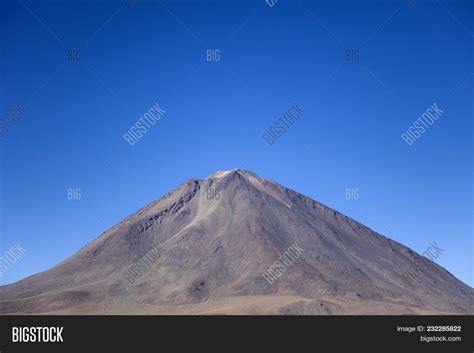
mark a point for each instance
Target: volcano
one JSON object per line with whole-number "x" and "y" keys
{"x": 213, "y": 246}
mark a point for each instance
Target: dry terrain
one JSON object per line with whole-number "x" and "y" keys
{"x": 215, "y": 250}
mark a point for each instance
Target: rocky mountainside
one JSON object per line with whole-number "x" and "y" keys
{"x": 204, "y": 249}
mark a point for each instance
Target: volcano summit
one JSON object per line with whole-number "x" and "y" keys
{"x": 214, "y": 249}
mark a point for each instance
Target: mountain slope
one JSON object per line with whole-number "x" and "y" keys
{"x": 217, "y": 245}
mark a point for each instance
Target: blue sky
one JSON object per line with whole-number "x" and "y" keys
{"x": 131, "y": 57}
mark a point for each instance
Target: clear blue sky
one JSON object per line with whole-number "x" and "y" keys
{"x": 271, "y": 57}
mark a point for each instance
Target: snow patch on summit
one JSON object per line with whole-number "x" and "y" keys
{"x": 221, "y": 173}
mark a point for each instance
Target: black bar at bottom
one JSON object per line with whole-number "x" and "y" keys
{"x": 243, "y": 333}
